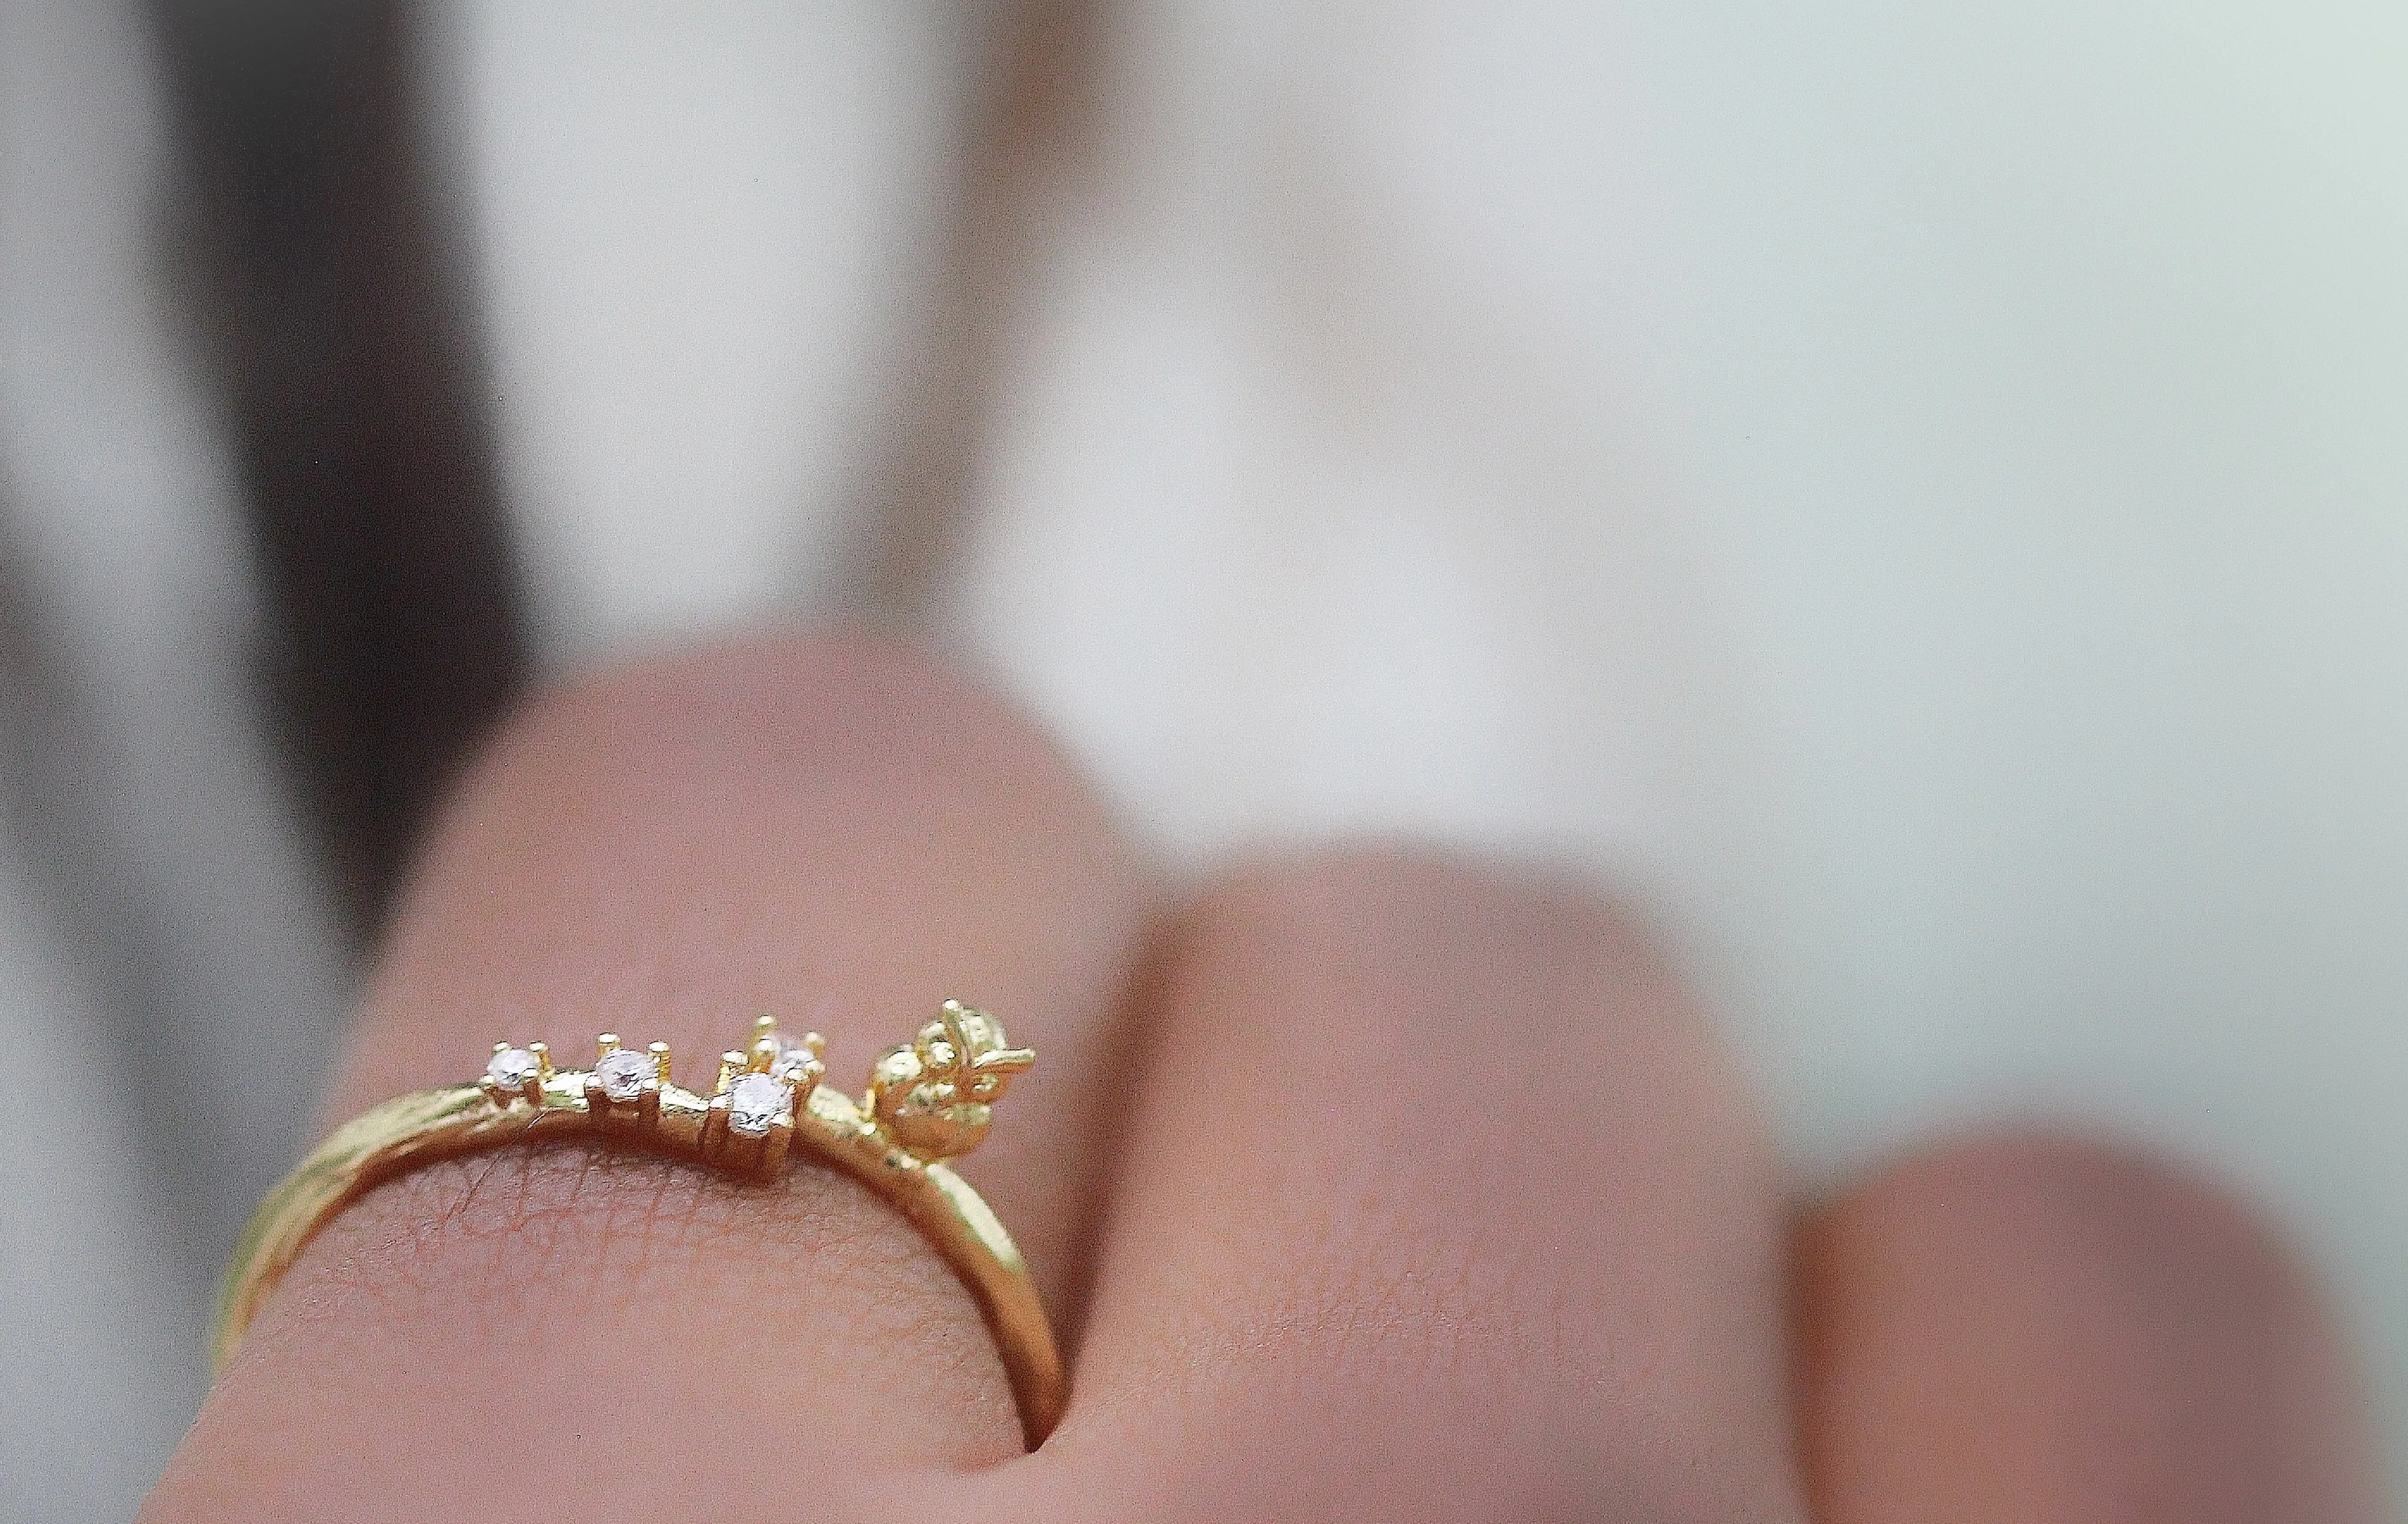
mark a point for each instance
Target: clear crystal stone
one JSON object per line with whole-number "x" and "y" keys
{"x": 512, "y": 1067}
{"x": 794, "y": 1056}
{"x": 754, "y": 1102}
{"x": 623, "y": 1074}
{"x": 790, "y": 1064}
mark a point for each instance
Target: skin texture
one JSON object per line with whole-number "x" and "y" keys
{"x": 2033, "y": 1329}
{"x": 1421, "y": 1218}
{"x": 825, "y": 831}
{"x": 1368, "y": 1185}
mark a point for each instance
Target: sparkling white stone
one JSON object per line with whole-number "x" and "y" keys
{"x": 793, "y": 1058}
{"x": 755, "y": 1104}
{"x": 623, "y": 1074}
{"x": 512, "y": 1067}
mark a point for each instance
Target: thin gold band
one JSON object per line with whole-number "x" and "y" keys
{"x": 927, "y": 1100}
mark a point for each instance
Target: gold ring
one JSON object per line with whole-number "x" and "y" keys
{"x": 928, "y": 1100}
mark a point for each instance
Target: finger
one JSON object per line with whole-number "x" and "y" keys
{"x": 820, "y": 830}
{"x": 1439, "y": 1201}
{"x": 2035, "y": 1329}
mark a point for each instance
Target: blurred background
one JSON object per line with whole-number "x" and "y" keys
{"x": 1916, "y": 497}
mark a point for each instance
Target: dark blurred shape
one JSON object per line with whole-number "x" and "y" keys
{"x": 166, "y": 1038}
{"x": 1030, "y": 135}
{"x": 330, "y": 297}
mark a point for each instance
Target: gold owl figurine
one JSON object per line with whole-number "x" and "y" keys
{"x": 936, "y": 1095}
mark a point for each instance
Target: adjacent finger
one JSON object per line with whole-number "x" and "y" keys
{"x": 821, "y": 829}
{"x": 2036, "y": 1330}
{"x": 1438, "y": 1200}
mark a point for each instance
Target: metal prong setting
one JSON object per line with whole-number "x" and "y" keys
{"x": 928, "y": 1100}
{"x": 515, "y": 1073}
{"x": 760, "y": 1095}
{"x": 625, "y": 1083}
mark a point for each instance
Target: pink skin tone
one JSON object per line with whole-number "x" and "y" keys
{"x": 1362, "y": 1186}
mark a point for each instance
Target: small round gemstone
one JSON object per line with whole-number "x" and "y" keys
{"x": 623, "y": 1074}
{"x": 790, "y": 1063}
{"x": 512, "y": 1067}
{"x": 794, "y": 1056}
{"x": 754, "y": 1102}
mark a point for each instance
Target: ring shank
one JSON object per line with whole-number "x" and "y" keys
{"x": 418, "y": 1128}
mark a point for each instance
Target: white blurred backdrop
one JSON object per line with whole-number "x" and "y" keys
{"x": 1916, "y": 497}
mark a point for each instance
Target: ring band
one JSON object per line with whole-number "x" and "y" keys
{"x": 928, "y": 1100}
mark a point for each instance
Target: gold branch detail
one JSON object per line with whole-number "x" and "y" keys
{"x": 929, "y": 1099}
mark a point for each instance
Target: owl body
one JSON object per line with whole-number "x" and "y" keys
{"x": 935, "y": 1096}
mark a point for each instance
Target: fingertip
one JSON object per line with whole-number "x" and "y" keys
{"x": 829, "y": 828}
{"x": 2035, "y": 1324}
{"x": 1431, "y": 1164}
{"x": 680, "y": 842}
